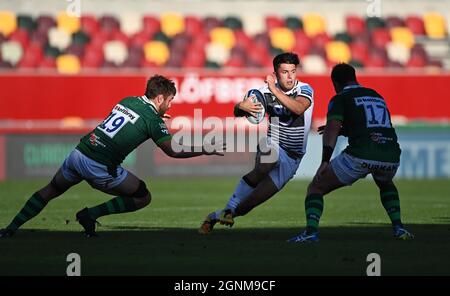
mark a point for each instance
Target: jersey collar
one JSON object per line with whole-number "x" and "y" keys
{"x": 144, "y": 97}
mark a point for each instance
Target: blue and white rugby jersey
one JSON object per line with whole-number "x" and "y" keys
{"x": 292, "y": 131}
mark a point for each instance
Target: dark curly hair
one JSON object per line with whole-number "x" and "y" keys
{"x": 160, "y": 85}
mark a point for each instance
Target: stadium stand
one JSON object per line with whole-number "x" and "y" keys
{"x": 70, "y": 44}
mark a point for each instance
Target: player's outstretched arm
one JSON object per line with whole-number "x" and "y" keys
{"x": 176, "y": 150}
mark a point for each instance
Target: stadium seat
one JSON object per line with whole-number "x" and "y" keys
{"x": 223, "y": 36}
{"x": 398, "y": 52}
{"x": 338, "y": 52}
{"x": 37, "y": 37}
{"x": 68, "y": 64}
{"x": 415, "y": 24}
{"x": 273, "y": 21}
{"x": 70, "y": 24}
{"x": 293, "y": 23}
{"x": 193, "y": 25}
{"x": 359, "y": 52}
{"x": 394, "y": 21}
{"x": 282, "y": 38}
{"x": 59, "y": 38}
{"x": 47, "y": 63}
{"x": 216, "y": 52}
{"x": 44, "y": 23}
{"x": 302, "y": 43}
{"x": 50, "y": 51}
{"x": 313, "y": 24}
{"x": 76, "y": 50}
{"x": 373, "y": 23}
{"x": 156, "y": 52}
{"x": 355, "y": 25}
{"x": 321, "y": 40}
{"x": 172, "y": 24}
{"x": 32, "y": 57}
{"x": 380, "y": 37}
{"x": 109, "y": 23}
{"x": 21, "y": 36}
{"x": 89, "y": 25}
{"x": 81, "y": 38}
{"x": 115, "y": 51}
{"x": 130, "y": 23}
{"x": 195, "y": 59}
{"x": 11, "y": 52}
{"x": 335, "y": 24}
{"x": 344, "y": 37}
{"x": 402, "y": 35}
{"x": 151, "y": 24}
{"x": 419, "y": 51}
{"x": 93, "y": 58}
{"x": 253, "y": 24}
{"x": 416, "y": 62}
{"x": 232, "y": 22}
{"x": 8, "y": 23}
{"x": 211, "y": 22}
{"x": 243, "y": 40}
{"x": 26, "y": 22}
{"x": 435, "y": 26}
{"x": 314, "y": 64}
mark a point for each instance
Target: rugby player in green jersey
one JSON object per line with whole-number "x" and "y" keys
{"x": 361, "y": 114}
{"x": 98, "y": 156}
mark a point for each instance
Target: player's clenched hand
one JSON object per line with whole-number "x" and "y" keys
{"x": 270, "y": 80}
{"x": 248, "y": 106}
{"x": 215, "y": 148}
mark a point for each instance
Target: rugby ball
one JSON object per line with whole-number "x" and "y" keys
{"x": 256, "y": 96}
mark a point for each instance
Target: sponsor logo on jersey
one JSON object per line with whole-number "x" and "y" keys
{"x": 95, "y": 140}
{"x": 132, "y": 116}
{"x": 379, "y": 138}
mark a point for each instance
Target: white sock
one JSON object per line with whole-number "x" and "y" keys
{"x": 241, "y": 192}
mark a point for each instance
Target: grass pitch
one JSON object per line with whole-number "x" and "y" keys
{"x": 162, "y": 239}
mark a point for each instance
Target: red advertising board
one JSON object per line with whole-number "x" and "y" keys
{"x": 415, "y": 96}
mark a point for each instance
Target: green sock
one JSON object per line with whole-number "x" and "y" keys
{"x": 313, "y": 211}
{"x": 116, "y": 205}
{"x": 391, "y": 203}
{"x": 32, "y": 207}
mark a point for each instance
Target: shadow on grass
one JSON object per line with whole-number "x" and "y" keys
{"x": 122, "y": 250}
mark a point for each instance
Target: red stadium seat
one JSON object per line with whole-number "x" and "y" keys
{"x": 321, "y": 40}
{"x": 415, "y": 24}
{"x": 151, "y": 24}
{"x": 416, "y": 62}
{"x": 210, "y": 23}
{"x": 193, "y": 25}
{"x": 32, "y": 56}
{"x": 48, "y": 63}
{"x": 89, "y": 24}
{"x": 381, "y": 37}
{"x": 21, "y": 36}
{"x": 394, "y": 21}
{"x": 243, "y": 40}
{"x": 303, "y": 43}
{"x": 109, "y": 23}
{"x": 273, "y": 22}
{"x": 44, "y": 23}
{"x": 355, "y": 25}
{"x": 360, "y": 52}
{"x": 93, "y": 58}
